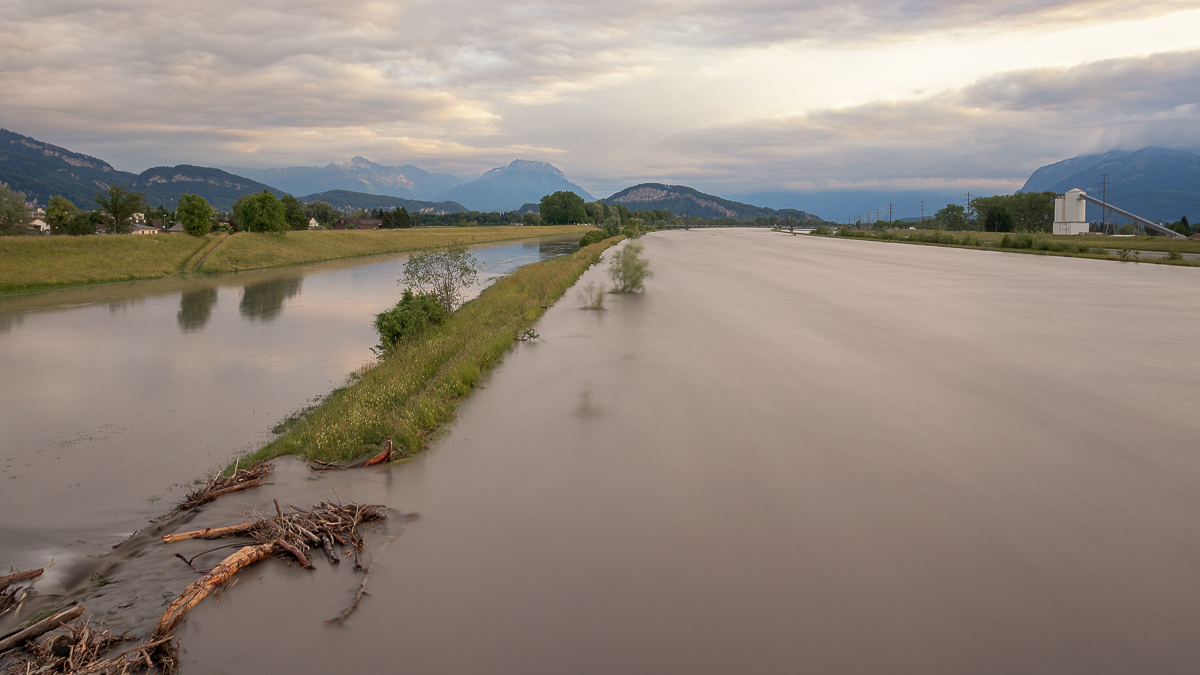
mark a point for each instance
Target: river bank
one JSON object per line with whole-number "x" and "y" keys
{"x": 36, "y": 263}
{"x": 1159, "y": 250}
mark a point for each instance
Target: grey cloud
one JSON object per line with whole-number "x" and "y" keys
{"x": 993, "y": 133}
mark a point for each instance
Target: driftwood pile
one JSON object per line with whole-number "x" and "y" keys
{"x": 241, "y": 479}
{"x": 326, "y": 526}
{"x": 82, "y": 650}
{"x": 329, "y": 527}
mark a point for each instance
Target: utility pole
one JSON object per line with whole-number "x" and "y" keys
{"x": 890, "y": 212}
{"x": 1104, "y": 210}
{"x": 922, "y": 212}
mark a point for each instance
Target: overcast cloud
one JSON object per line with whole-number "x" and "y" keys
{"x": 734, "y": 96}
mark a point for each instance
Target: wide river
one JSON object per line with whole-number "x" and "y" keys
{"x": 790, "y": 454}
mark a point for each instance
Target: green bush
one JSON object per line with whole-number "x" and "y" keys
{"x": 593, "y": 237}
{"x": 408, "y": 319}
{"x": 823, "y": 230}
{"x": 1174, "y": 255}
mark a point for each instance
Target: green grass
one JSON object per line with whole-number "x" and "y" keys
{"x": 247, "y": 251}
{"x": 28, "y": 263}
{"x": 417, "y": 386}
{"x": 32, "y": 263}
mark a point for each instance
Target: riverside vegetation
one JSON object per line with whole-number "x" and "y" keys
{"x": 32, "y": 263}
{"x": 418, "y": 382}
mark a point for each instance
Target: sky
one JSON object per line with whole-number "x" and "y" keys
{"x": 726, "y": 96}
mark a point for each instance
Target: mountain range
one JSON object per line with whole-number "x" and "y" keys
{"x": 1154, "y": 183}
{"x": 679, "y": 199}
{"x": 357, "y": 175}
{"x": 506, "y": 188}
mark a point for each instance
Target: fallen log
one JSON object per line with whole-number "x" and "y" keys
{"x": 202, "y": 587}
{"x": 209, "y": 533}
{"x": 40, "y": 628}
{"x": 9, "y": 579}
{"x": 386, "y": 455}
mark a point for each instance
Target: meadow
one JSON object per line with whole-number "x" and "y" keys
{"x": 32, "y": 263}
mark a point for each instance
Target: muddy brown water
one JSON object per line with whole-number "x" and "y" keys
{"x": 115, "y": 398}
{"x": 791, "y": 454}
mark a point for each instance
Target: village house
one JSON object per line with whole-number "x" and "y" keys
{"x": 138, "y": 228}
{"x": 177, "y": 227}
{"x": 313, "y": 224}
{"x": 40, "y": 225}
{"x": 358, "y": 224}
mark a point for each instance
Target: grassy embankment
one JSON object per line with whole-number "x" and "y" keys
{"x": 1076, "y": 246}
{"x": 417, "y": 386}
{"x": 31, "y": 263}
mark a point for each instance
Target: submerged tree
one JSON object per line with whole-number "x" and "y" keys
{"x": 443, "y": 274}
{"x": 629, "y": 270}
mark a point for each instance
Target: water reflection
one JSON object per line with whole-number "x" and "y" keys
{"x": 195, "y": 308}
{"x": 264, "y": 301}
{"x": 7, "y": 323}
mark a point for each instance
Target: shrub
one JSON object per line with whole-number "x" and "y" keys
{"x": 1174, "y": 255}
{"x": 408, "y": 319}
{"x": 822, "y": 230}
{"x": 593, "y": 237}
{"x": 629, "y": 270}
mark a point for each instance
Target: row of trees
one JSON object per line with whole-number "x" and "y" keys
{"x": 393, "y": 218}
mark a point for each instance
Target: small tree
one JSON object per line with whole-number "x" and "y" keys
{"x": 119, "y": 203}
{"x": 195, "y": 214}
{"x": 442, "y": 273}
{"x": 629, "y": 270}
{"x": 953, "y": 217}
{"x": 59, "y": 213}
{"x": 260, "y": 213}
{"x": 324, "y": 213}
{"x": 293, "y": 213}
{"x": 12, "y": 210}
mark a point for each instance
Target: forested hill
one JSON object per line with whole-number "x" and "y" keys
{"x": 347, "y": 200}
{"x": 40, "y": 170}
{"x": 165, "y": 184}
{"x": 1154, "y": 183}
{"x": 680, "y": 199}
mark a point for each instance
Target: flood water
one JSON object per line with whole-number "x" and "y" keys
{"x": 791, "y": 454}
{"x": 115, "y": 398}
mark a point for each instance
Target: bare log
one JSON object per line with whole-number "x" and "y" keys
{"x": 40, "y": 628}
{"x": 202, "y": 587}
{"x": 209, "y": 533}
{"x": 6, "y": 580}
{"x": 383, "y": 457}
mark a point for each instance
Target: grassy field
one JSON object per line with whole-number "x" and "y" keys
{"x": 31, "y": 263}
{"x": 1079, "y": 246}
{"x": 417, "y": 387}
{"x": 28, "y": 263}
{"x": 251, "y": 251}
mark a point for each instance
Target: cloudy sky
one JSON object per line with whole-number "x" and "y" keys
{"x": 724, "y": 95}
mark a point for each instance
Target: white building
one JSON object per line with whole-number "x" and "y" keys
{"x": 313, "y": 224}
{"x": 1070, "y": 213}
{"x": 41, "y": 225}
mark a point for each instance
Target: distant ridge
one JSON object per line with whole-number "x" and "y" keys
{"x": 507, "y": 188}
{"x": 347, "y": 200}
{"x": 357, "y": 175}
{"x": 1154, "y": 183}
{"x": 40, "y": 170}
{"x": 680, "y": 199}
